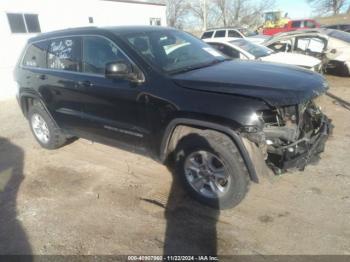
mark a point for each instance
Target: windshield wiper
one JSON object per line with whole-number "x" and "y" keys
{"x": 194, "y": 67}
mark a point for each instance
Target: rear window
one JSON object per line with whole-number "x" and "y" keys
{"x": 64, "y": 54}
{"x": 343, "y": 36}
{"x": 220, "y": 33}
{"x": 207, "y": 35}
{"x": 35, "y": 55}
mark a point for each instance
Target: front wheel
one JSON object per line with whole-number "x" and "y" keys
{"x": 211, "y": 169}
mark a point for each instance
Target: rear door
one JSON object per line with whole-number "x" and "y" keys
{"x": 61, "y": 92}
{"x": 33, "y": 67}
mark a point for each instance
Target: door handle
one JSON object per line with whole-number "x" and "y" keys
{"x": 42, "y": 77}
{"x": 85, "y": 83}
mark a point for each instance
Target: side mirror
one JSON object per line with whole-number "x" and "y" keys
{"x": 120, "y": 70}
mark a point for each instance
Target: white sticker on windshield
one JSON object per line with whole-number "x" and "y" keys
{"x": 212, "y": 51}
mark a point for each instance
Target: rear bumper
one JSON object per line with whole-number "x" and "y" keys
{"x": 303, "y": 152}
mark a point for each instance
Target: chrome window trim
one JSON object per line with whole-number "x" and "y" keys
{"x": 60, "y": 71}
{"x": 74, "y": 72}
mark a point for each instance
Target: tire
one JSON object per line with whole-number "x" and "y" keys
{"x": 344, "y": 70}
{"x": 224, "y": 156}
{"x": 53, "y": 137}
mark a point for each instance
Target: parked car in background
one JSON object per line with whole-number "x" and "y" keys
{"x": 226, "y": 34}
{"x": 338, "y": 52}
{"x": 292, "y": 26}
{"x": 332, "y": 47}
{"x": 217, "y": 120}
{"x": 244, "y": 49}
{"x": 341, "y": 27}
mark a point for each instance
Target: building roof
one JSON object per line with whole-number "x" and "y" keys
{"x": 147, "y": 2}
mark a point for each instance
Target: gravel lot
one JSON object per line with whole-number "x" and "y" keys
{"x": 87, "y": 198}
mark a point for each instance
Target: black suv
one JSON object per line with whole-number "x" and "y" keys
{"x": 167, "y": 94}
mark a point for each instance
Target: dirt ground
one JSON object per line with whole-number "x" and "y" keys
{"x": 87, "y": 198}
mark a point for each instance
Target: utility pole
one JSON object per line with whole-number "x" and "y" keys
{"x": 205, "y": 15}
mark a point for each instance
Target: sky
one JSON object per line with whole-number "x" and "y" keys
{"x": 296, "y": 8}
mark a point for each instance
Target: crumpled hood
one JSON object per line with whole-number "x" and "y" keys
{"x": 276, "y": 84}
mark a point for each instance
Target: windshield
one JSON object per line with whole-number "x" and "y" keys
{"x": 173, "y": 51}
{"x": 254, "y": 49}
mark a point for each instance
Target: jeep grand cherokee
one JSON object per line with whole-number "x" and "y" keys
{"x": 167, "y": 94}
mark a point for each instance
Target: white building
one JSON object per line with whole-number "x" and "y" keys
{"x": 22, "y": 19}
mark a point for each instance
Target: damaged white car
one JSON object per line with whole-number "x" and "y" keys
{"x": 330, "y": 46}
{"x": 246, "y": 50}
{"x": 339, "y": 53}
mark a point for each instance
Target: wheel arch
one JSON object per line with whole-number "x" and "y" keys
{"x": 27, "y": 100}
{"x": 180, "y": 127}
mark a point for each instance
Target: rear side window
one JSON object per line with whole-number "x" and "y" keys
{"x": 64, "y": 54}
{"x": 207, "y": 35}
{"x": 35, "y": 55}
{"x": 220, "y": 33}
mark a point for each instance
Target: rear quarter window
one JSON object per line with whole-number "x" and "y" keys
{"x": 35, "y": 55}
{"x": 65, "y": 54}
{"x": 233, "y": 33}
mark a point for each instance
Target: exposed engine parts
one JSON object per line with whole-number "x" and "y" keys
{"x": 292, "y": 136}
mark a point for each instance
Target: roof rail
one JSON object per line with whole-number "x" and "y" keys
{"x": 70, "y": 29}
{"x": 225, "y": 28}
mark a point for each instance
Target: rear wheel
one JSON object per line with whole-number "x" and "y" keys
{"x": 345, "y": 71}
{"x": 44, "y": 129}
{"x": 211, "y": 169}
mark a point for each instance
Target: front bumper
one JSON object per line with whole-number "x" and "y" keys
{"x": 303, "y": 152}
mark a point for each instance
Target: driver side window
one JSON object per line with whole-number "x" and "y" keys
{"x": 310, "y": 44}
{"x": 97, "y": 52}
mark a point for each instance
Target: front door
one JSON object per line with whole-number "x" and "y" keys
{"x": 114, "y": 109}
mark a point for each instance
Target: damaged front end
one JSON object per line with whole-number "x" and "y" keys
{"x": 292, "y": 137}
